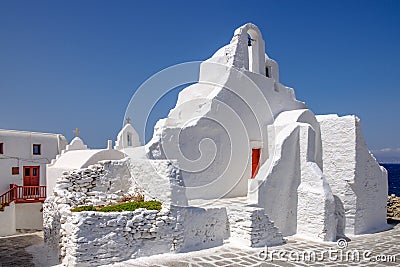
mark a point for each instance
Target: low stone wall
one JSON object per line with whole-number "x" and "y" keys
{"x": 100, "y": 184}
{"x": 202, "y": 227}
{"x": 162, "y": 180}
{"x": 105, "y": 183}
{"x": 393, "y": 207}
{"x": 95, "y": 238}
{"x": 250, "y": 226}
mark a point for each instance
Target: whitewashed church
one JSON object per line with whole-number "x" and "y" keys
{"x": 239, "y": 159}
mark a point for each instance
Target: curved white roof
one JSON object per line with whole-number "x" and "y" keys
{"x": 135, "y": 152}
{"x": 82, "y": 158}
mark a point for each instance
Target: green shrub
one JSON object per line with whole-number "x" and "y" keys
{"x": 128, "y": 206}
{"x": 83, "y": 208}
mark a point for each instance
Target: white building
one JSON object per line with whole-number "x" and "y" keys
{"x": 77, "y": 156}
{"x": 23, "y": 159}
{"x": 24, "y": 155}
{"x": 238, "y": 158}
{"x": 34, "y": 161}
{"x": 239, "y": 132}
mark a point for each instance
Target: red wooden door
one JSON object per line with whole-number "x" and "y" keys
{"x": 255, "y": 161}
{"x": 31, "y": 175}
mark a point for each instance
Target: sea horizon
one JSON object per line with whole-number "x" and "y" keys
{"x": 393, "y": 170}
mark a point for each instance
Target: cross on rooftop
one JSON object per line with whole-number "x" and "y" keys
{"x": 128, "y": 120}
{"x": 77, "y": 132}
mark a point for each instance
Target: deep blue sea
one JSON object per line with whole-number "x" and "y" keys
{"x": 393, "y": 177}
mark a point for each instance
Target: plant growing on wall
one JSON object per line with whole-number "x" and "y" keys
{"x": 128, "y": 206}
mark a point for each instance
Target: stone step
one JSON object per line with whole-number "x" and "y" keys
{"x": 249, "y": 225}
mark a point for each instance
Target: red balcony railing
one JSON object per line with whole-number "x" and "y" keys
{"x": 23, "y": 194}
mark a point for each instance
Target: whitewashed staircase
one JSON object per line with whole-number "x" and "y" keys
{"x": 249, "y": 225}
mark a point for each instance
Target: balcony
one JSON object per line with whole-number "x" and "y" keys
{"x": 22, "y": 194}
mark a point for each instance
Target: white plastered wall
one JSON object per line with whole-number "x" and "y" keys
{"x": 29, "y": 216}
{"x": 316, "y": 204}
{"x": 127, "y": 137}
{"x": 18, "y": 146}
{"x": 357, "y": 181}
{"x": 7, "y": 220}
{"x": 292, "y": 180}
{"x": 160, "y": 180}
{"x": 276, "y": 182}
{"x": 214, "y": 122}
{"x": 372, "y": 188}
{"x": 77, "y": 159}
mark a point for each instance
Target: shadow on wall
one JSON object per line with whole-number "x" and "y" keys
{"x": 340, "y": 216}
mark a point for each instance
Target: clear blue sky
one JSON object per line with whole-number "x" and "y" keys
{"x": 67, "y": 64}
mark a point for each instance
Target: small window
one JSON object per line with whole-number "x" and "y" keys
{"x": 15, "y": 170}
{"x": 128, "y": 136}
{"x": 27, "y": 171}
{"x": 267, "y": 72}
{"x": 36, "y": 149}
{"x": 1, "y": 148}
{"x": 34, "y": 172}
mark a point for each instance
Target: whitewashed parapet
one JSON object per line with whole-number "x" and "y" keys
{"x": 94, "y": 238}
{"x": 202, "y": 227}
{"x": 105, "y": 183}
{"x": 250, "y": 226}
{"x": 358, "y": 182}
{"x": 51, "y": 224}
{"x": 159, "y": 179}
{"x": 100, "y": 184}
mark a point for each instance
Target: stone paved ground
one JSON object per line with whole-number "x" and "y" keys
{"x": 377, "y": 248}
{"x": 28, "y": 250}
{"x": 12, "y": 249}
